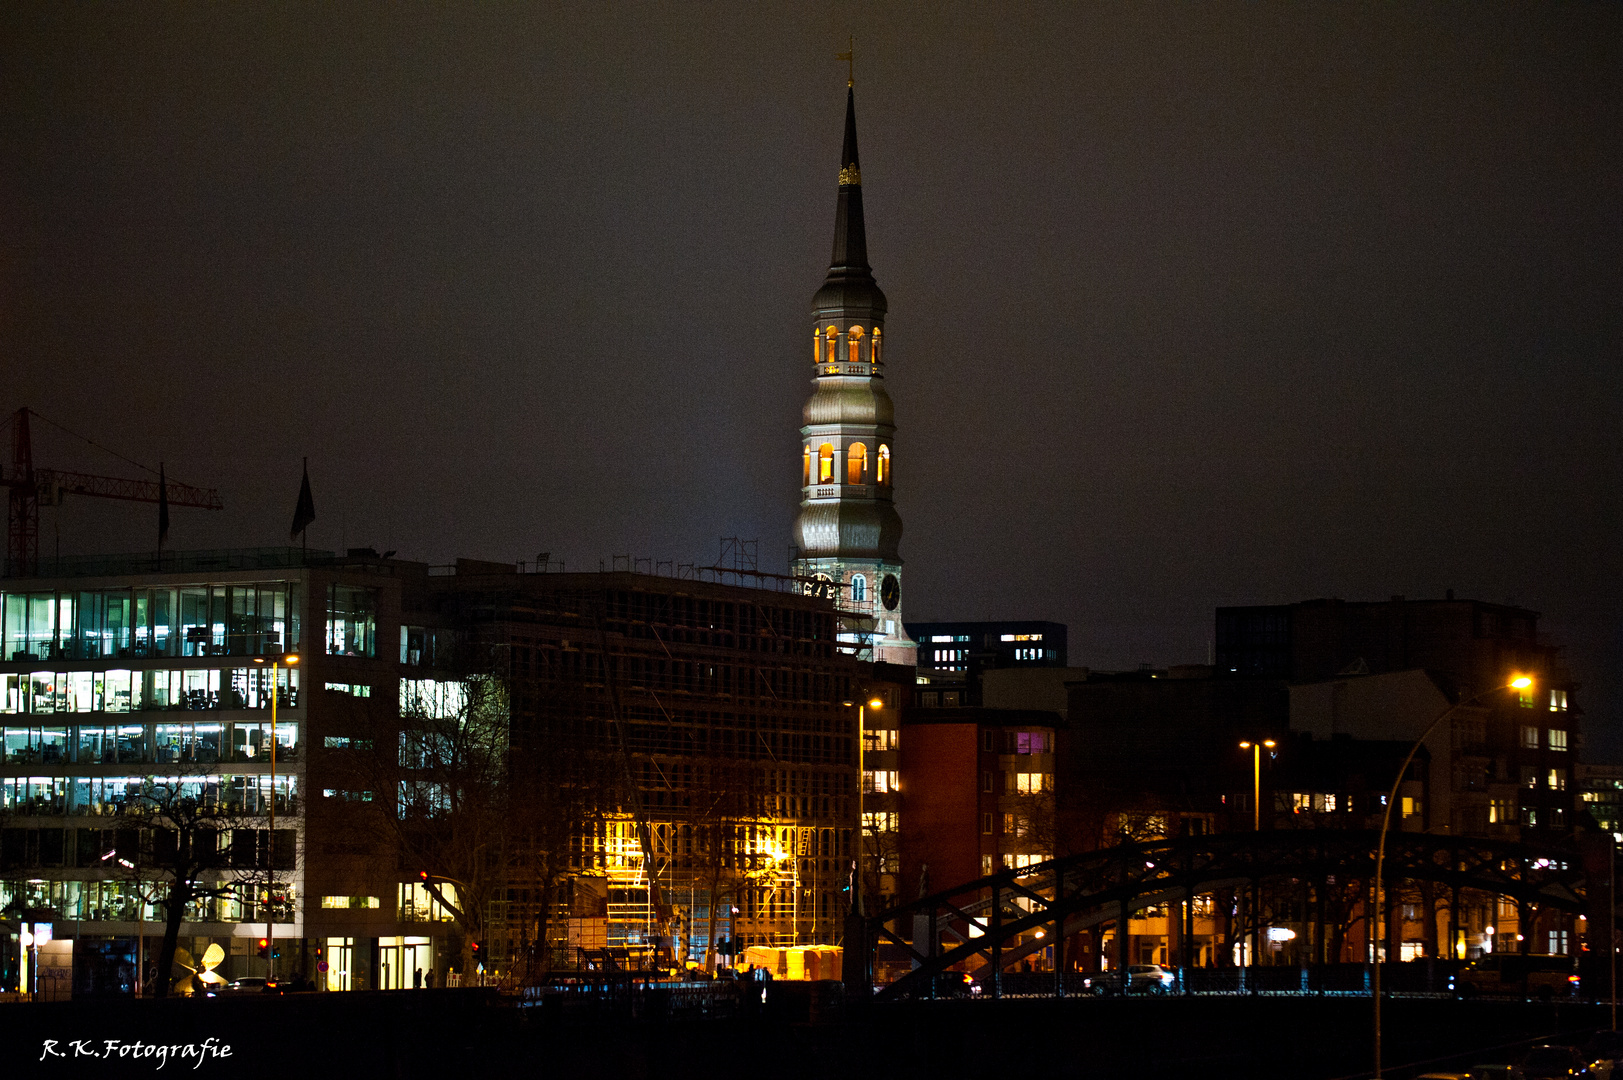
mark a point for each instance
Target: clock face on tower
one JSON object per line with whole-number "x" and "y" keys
{"x": 890, "y": 592}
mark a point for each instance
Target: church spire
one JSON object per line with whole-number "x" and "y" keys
{"x": 848, "y": 531}
{"x": 850, "y": 235}
{"x": 850, "y": 292}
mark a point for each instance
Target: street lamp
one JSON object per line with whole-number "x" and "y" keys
{"x": 1256, "y": 748}
{"x": 1520, "y": 682}
{"x": 875, "y": 703}
{"x": 1256, "y": 778}
{"x": 290, "y": 660}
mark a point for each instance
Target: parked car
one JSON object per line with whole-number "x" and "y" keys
{"x": 251, "y": 984}
{"x": 1497, "y": 1072}
{"x": 1603, "y": 1051}
{"x": 1518, "y": 975}
{"x": 1136, "y": 979}
{"x": 1150, "y": 979}
{"x": 1551, "y": 1062}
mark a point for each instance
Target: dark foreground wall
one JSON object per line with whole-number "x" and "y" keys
{"x": 434, "y": 1034}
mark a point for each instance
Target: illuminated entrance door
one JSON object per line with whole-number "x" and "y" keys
{"x": 400, "y": 959}
{"x": 417, "y": 954}
{"x": 389, "y": 970}
{"x": 340, "y": 959}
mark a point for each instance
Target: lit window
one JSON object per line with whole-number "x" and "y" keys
{"x": 805, "y": 466}
{"x": 856, "y": 464}
{"x": 1411, "y": 806}
{"x": 351, "y": 620}
{"x": 854, "y": 336}
{"x": 1557, "y": 779}
{"x": 859, "y": 589}
{"x": 1529, "y": 776}
{"x": 825, "y": 463}
{"x": 1031, "y": 742}
{"x": 879, "y": 782}
{"x": 1558, "y": 701}
{"x": 1530, "y": 815}
{"x": 817, "y": 347}
{"x": 1558, "y": 739}
{"x": 1529, "y": 737}
{"x": 1524, "y": 697}
{"x": 349, "y": 902}
{"x": 986, "y": 868}
{"x": 882, "y": 470}
{"x": 874, "y": 348}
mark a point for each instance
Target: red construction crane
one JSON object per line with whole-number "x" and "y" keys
{"x": 30, "y": 487}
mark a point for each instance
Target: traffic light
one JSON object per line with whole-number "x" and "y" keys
{"x": 423, "y": 874}
{"x": 477, "y": 947}
{"x": 264, "y": 948}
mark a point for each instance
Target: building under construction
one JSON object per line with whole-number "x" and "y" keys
{"x": 709, "y": 717}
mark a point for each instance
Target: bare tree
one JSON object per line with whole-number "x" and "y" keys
{"x": 194, "y": 846}
{"x": 446, "y": 800}
{"x": 729, "y": 804}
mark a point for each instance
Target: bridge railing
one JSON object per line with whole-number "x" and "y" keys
{"x": 1006, "y": 921}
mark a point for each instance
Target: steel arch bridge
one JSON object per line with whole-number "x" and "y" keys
{"x": 990, "y": 923}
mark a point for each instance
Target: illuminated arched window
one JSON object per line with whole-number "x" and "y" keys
{"x": 817, "y": 346}
{"x": 855, "y": 336}
{"x": 856, "y": 464}
{"x": 873, "y": 350}
{"x": 859, "y": 589}
{"x": 883, "y": 469}
{"x": 805, "y": 466}
{"x": 825, "y": 463}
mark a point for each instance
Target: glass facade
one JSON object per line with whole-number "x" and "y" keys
{"x": 253, "y": 619}
{"x": 122, "y": 690}
{"x": 97, "y": 796}
{"x": 352, "y": 620}
{"x": 192, "y": 742}
{"x": 131, "y": 901}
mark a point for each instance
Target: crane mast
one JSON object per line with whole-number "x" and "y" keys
{"x": 30, "y": 487}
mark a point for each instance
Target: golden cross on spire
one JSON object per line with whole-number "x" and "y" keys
{"x": 850, "y": 63}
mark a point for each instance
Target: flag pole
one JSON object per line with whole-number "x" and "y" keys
{"x": 163, "y": 511}
{"x": 303, "y": 514}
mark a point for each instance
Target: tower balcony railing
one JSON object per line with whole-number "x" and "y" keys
{"x": 848, "y": 491}
{"x": 848, "y": 368}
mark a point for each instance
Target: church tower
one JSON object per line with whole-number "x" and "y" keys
{"x": 848, "y": 530}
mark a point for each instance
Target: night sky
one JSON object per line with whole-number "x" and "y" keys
{"x": 1190, "y": 305}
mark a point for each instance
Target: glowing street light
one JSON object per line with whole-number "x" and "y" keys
{"x": 875, "y": 703}
{"x": 290, "y": 660}
{"x": 1518, "y": 682}
{"x": 1256, "y": 778}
